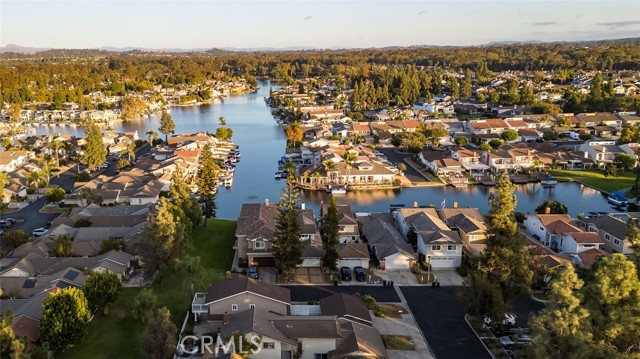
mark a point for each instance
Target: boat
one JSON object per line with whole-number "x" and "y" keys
{"x": 549, "y": 182}
{"x": 618, "y": 198}
{"x": 337, "y": 189}
{"x": 278, "y": 175}
{"x": 228, "y": 182}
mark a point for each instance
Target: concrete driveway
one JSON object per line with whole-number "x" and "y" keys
{"x": 309, "y": 276}
{"x": 448, "y": 277}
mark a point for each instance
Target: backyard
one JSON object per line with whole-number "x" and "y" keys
{"x": 118, "y": 334}
{"x": 596, "y": 179}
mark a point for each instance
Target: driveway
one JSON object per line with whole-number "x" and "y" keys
{"x": 440, "y": 315}
{"x": 305, "y": 293}
{"x": 405, "y": 325}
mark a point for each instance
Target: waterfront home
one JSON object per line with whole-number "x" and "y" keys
{"x": 348, "y": 232}
{"x": 200, "y": 139}
{"x": 364, "y": 173}
{"x": 612, "y": 231}
{"x": 12, "y": 160}
{"x": 406, "y": 217}
{"x": 440, "y": 248}
{"x": 386, "y": 243}
{"x": 470, "y": 159}
{"x": 470, "y": 226}
{"x": 559, "y": 232}
{"x": 440, "y": 163}
{"x": 601, "y": 152}
{"x": 576, "y": 242}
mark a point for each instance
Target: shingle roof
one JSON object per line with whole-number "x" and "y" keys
{"x": 346, "y": 306}
{"x": 585, "y": 237}
{"x": 360, "y": 341}
{"x": 256, "y": 321}
{"x": 308, "y": 326}
{"x": 612, "y": 225}
{"x": 257, "y": 220}
{"x": 353, "y": 250}
{"x": 383, "y": 236}
{"x": 230, "y": 287}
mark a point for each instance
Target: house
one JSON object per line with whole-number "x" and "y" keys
{"x": 611, "y": 230}
{"x": 361, "y": 173}
{"x": 488, "y": 126}
{"x": 529, "y": 134}
{"x": 601, "y": 152}
{"x": 341, "y": 130}
{"x": 346, "y": 307}
{"x": 353, "y": 255}
{"x": 440, "y": 164}
{"x": 470, "y": 226}
{"x": 26, "y": 314}
{"x": 385, "y": 242}
{"x": 588, "y": 257}
{"x": 12, "y": 160}
{"x": 399, "y": 126}
{"x": 349, "y": 231}
{"x": 548, "y": 228}
{"x": 436, "y": 242}
{"x": 470, "y": 159}
{"x": 576, "y": 242}
{"x": 361, "y": 128}
{"x": 600, "y": 119}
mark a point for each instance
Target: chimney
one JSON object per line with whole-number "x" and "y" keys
{"x": 225, "y": 318}
{"x": 85, "y": 271}
{"x": 302, "y": 206}
{"x": 547, "y": 210}
{"x": 54, "y": 289}
{"x": 266, "y": 201}
{"x": 455, "y": 204}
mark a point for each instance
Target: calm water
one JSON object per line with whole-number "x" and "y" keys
{"x": 262, "y": 143}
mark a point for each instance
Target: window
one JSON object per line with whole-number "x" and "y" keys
{"x": 320, "y": 356}
{"x": 260, "y": 245}
{"x": 541, "y": 228}
{"x": 268, "y": 345}
{"x": 616, "y": 242}
{"x": 234, "y": 307}
{"x": 607, "y": 237}
{"x": 451, "y": 247}
{"x": 435, "y": 248}
{"x": 251, "y": 306}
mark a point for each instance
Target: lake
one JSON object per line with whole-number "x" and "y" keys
{"x": 262, "y": 143}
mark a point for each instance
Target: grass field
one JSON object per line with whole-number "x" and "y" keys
{"x": 596, "y": 179}
{"x": 118, "y": 334}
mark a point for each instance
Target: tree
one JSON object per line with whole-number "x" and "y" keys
{"x": 624, "y": 161}
{"x": 102, "y": 290}
{"x": 6, "y": 143}
{"x": 159, "y": 337}
{"x": 54, "y": 194}
{"x": 65, "y": 314}
{"x": 465, "y": 89}
{"x": 167, "y": 125}
{"x": 401, "y": 167}
{"x": 180, "y": 196}
{"x": 562, "y": 329}
{"x": 224, "y": 133}
{"x": 330, "y": 236}
{"x": 10, "y": 346}
{"x": 506, "y": 262}
{"x": 15, "y": 238}
{"x": 111, "y": 244}
{"x": 132, "y": 107}
{"x": 287, "y": 247}
{"x": 495, "y": 143}
{"x": 294, "y": 135}
{"x": 461, "y": 141}
{"x": 434, "y": 135}
{"x": 222, "y": 120}
{"x": 509, "y": 135}
{"x": 483, "y": 297}
{"x": 88, "y": 196}
{"x": 611, "y": 171}
{"x": 207, "y": 180}
{"x": 123, "y": 164}
{"x": 152, "y": 137}
{"x": 145, "y": 304}
{"x": 526, "y": 94}
{"x": 63, "y": 245}
{"x": 349, "y": 158}
{"x": 555, "y": 207}
{"x": 129, "y": 151}
{"x": 194, "y": 274}
{"x": 166, "y": 240}
{"x": 584, "y": 136}
{"x": 485, "y": 147}
{"x": 502, "y": 203}
{"x": 632, "y": 235}
{"x": 94, "y": 151}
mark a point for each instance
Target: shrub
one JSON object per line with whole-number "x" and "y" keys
{"x": 55, "y": 194}
{"x": 369, "y": 301}
{"x": 15, "y": 238}
{"x": 83, "y": 222}
{"x": 84, "y": 176}
{"x": 520, "y": 217}
{"x": 378, "y": 310}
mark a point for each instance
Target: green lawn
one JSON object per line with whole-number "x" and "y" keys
{"x": 398, "y": 342}
{"x": 596, "y": 179}
{"x": 117, "y": 335}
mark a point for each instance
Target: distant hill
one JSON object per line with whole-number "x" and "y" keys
{"x": 21, "y": 49}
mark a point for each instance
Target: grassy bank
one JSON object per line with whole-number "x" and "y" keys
{"x": 596, "y": 179}
{"x": 118, "y": 334}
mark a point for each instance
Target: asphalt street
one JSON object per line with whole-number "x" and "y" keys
{"x": 440, "y": 315}
{"x": 394, "y": 157}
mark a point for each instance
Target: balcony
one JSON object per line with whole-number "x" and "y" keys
{"x": 198, "y": 305}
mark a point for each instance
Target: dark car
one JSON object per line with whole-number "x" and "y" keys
{"x": 253, "y": 271}
{"x": 345, "y": 274}
{"x": 360, "y": 274}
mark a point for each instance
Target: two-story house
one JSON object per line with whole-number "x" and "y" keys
{"x": 470, "y": 160}
{"x": 440, "y": 248}
{"x": 549, "y": 228}
{"x": 349, "y": 231}
{"x": 601, "y": 152}
{"x": 470, "y": 226}
{"x": 611, "y": 230}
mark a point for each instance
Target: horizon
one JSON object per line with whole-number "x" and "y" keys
{"x": 282, "y": 25}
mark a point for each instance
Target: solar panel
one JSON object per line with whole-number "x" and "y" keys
{"x": 29, "y": 283}
{"x": 62, "y": 285}
{"x": 71, "y": 275}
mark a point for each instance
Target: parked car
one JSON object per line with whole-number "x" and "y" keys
{"x": 105, "y": 165}
{"x": 11, "y": 220}
{"x": 253, "y": 271}
{"x": 39, "y": 231}
{"x": 360, "y": 274}
{"x": 507, "y": 330}
{"x": 509, "y": 319}
{"x": 345, "y": 274}
{"x": 506, "y": 341}
{"x": 5, "y": 224}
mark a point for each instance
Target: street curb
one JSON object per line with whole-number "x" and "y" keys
{"x": 466, "y": 316}
{"x": 539, "y": 300}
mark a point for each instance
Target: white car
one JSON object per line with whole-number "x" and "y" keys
{"x": 39, "y": 232}
{"x": 509, "y": 319}
{"x": 105, "y": 165}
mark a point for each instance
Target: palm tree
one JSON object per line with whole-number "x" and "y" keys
{"x": 129, "y": 151}
{"x": 349, "y": 159}
{"x": 151, "y": 137}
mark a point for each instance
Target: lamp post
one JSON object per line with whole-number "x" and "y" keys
{"x": 429, "y": 267}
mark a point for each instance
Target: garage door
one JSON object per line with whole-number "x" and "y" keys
{"x": 350, "y": 262}
{"x": 442, "y": 262}
{"x": 264, "y": 261}
{"x": 311, "y": 262}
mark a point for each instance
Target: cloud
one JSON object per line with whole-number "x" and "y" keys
{"x": 544, "y": 23}
{"x": 620, "y": 23}
{"x": 307, "y": 18}
{"x": 423, "y": 12}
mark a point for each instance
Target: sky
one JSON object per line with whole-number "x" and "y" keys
{"x": 309, "y": 24}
